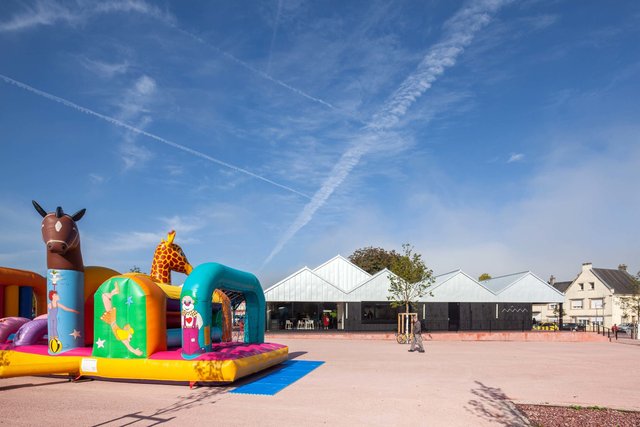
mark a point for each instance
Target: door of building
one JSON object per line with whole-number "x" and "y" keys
{"x": 454, "y": 316}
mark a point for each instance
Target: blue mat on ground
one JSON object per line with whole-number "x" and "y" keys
{"x": 290, "y": 372}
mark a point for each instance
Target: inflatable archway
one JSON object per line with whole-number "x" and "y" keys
{"x": 195, "y": 300}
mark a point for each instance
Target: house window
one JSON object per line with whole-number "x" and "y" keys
{"x": 592, "y": 285}
{"x": 553, "y": 306}
{"x": 576, "y": 304}
{"x": 581, "y": 286}
{"x": 597, "y": 303}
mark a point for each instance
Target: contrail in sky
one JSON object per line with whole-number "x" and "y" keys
{"x": 459, "y": 32}
{"x": 273, "y": 35}
{"x": 121, "y": 124}
{"x": 251, "y": 68}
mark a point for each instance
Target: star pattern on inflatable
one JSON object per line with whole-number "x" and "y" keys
{"x": 129, "y": 301}
{"x": 75, "y": 334}
{"x": 100, "y": 343}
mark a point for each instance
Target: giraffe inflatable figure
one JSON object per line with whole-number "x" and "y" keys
{"x": 169, "y": 257}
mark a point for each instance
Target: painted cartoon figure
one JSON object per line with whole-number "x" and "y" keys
{"x": 124, "y": 334}
{"x": 191, "y": 324}
{"x": 53, "y": 306}
{"x": 55, "y": 345}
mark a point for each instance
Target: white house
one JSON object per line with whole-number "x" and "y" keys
{"x": 593, "y": 297}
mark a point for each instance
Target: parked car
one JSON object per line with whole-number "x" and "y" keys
{"x": 625, "y": 327}
{"x": 573, "y": 327}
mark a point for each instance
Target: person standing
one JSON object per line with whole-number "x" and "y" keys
{"x": 614, "y": 328}
{"x": 417, "y": 336}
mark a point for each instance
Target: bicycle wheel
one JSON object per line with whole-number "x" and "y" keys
{"x": 401, "y": 338}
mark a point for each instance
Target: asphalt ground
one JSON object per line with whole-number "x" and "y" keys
{"x": 362, "y": 382}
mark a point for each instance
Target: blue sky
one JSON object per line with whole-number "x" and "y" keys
{"x": 494, "y": 136}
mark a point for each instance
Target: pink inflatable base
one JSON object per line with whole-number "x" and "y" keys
{"x": 221, "y": 351}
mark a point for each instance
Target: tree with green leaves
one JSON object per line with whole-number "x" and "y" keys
{"x": 484, "y": 276}
{"x": 411, "y": 280}
{"x": 135, "y": 269}
{"x": 373, "y": 260}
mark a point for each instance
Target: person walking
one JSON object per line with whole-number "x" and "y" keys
{"x": 614, "y": 329}
{"x": 417, "y": 336}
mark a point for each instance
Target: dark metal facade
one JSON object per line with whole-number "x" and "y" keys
{"x": 438, "y": 316}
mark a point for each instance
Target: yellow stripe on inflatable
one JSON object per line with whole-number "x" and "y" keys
{"x": 18, "y": 364}
{"x": 182, "y": 370}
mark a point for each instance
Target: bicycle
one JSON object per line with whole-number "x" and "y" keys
{"x": 404, "y": 338}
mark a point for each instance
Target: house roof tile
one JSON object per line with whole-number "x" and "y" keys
{"x": 562, "y": 286}
{"x": 620, "y": 281}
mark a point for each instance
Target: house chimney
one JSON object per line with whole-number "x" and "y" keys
{"x": 622, "y": 267}
{"x": 552, "y": 280}
{"x": 586, "y": 266}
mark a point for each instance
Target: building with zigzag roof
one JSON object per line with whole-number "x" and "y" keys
{"x": 348, "y": 298}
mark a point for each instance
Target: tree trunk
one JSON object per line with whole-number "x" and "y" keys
{"x": 407, "y": 331}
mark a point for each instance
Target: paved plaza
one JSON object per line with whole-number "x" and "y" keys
{"x": 362, "y": 382}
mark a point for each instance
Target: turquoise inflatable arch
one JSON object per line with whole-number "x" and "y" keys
{"x": 195, "y": 304}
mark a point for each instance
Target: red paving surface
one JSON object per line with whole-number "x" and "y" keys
{"x": 373, "y": 382}
{"x": 446, "y": 336}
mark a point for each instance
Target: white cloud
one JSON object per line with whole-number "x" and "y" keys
{"x": 145, "y": 85}
{"x": 174, "y": 170}
{"x": 139, "y": 6}
{"x": 515, "y": 157}
{"x": 50, "y": 12}
{"x": 460, "y": 30}
{"x": 132, "y": 154}
{"x": 579, "y": 206}
{"x": 541, "y": 22}
{"x": 104, "y": 69}
{"x": 96, "y": 179}
{"x": 138, "y": 131}
{"x": 134, "y": 101}
{"x": 130, "y": 241}
{"x": 40, "y": 13}
{"x": 133, "y": 109}
{"x": 183, "y": 224}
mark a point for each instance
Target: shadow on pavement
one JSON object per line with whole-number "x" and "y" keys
{"x": 16, "y": 386}
{"x": 134, "y": 418}
{"x": 198, "y": 397}
{"x": 296, "y": 354}
{"x": 492, "y": 404}
{"x": 206, "y": 395}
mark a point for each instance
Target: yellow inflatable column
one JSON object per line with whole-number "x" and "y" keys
{"x": 11, "y": 297}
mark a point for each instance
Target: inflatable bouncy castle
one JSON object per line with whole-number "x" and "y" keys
{"x": 94, "y": 322}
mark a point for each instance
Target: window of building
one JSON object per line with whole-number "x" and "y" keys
{"x": 597, "y": 303}
{"x": 581, "y": 286}
{"x": 592, "y": 285}
{"x": 576, "y": 304}
{"x": 378, "y": 312}
{"x": 553, "y": 306}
